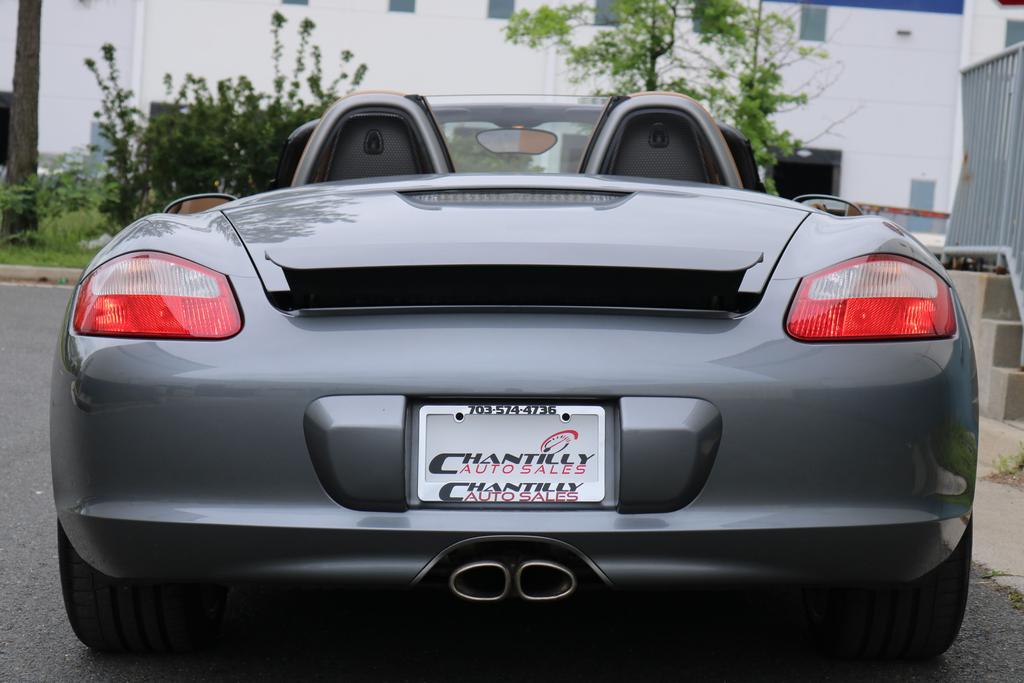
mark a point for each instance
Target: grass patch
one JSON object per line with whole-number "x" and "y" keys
{"x": 990, "y": 577}
{"x": 1015, "y": 596}
{"x": 40, "y": 256}
{"x": 1010, "y": 469}
{"x": 57, "y": 242}
{"x": 1011, "y": 465}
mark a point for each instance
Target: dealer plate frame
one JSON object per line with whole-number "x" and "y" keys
{"x": 605, "y": 452}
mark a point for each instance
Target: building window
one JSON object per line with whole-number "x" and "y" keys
{"x": 402, "y": 5}
{"x": 696, "y": 12}
{"x": 922, "y": 194}
{"x": 922, "y": 197}
{"x": 294, "y": 2}
{"x": 1014, "y": 32}
{"x": 813, "y": 21}
{"x": 160, "y": 108}
{"x": 98, "y": 145}
{"x": 604, "y": 15}
{"x": 500, "y": 9}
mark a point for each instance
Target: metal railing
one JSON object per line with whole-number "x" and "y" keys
{"x": 988, "y": 212}
{"x": 914, "y": 220}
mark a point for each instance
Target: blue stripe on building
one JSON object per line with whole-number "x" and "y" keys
{"x": 939, "y": 6}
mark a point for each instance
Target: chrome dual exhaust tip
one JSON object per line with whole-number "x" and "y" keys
{"x": 544, "y": 581}
{"x": 533, "y": 581}
{"x": 484, "y": 581}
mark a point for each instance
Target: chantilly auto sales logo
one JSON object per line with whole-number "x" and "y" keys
{"x": 559, "y": 441}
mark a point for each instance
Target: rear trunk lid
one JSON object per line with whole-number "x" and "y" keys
{"x": 514, "y": 240}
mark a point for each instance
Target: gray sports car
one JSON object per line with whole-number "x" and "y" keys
{"x": 513, "y": 346}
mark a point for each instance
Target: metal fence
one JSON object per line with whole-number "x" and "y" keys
{"x": 988, "y": 212}
{"x": 914, "y": 220}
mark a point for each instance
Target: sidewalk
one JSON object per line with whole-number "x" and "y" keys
{"x": 999, "y": 508}
{"x": 47, "y": 274}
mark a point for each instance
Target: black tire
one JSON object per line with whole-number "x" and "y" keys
{"x": 114, "y": 616}
{"x": 917, "y": 621}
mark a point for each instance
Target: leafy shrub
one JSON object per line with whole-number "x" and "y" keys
{"x": 69, "y": 186}
{"x": 1011, "y": 465}
{"x": 120, "y": 124}
{"x": 220, "y": 138}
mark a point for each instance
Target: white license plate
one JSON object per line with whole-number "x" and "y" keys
{"x": 501, "y": 454}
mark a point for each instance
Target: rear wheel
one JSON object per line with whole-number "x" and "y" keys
{"x": 110, "y": 615}
{"x": 917, "y": 621}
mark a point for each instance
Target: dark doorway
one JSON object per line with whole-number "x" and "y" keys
{"x": 809, "y": 171}
{"x": 5, "y": 124}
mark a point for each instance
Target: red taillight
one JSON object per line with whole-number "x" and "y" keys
{"x": 872, "y": 297}
{"x": 149, "y": 294}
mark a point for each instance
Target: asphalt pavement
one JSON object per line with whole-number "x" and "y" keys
{"x": 276, "y": 633}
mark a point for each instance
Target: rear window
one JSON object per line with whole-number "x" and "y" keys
{"x": 526, "y": 134}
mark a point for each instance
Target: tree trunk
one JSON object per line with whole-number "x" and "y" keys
{"x": 23, "y": 145}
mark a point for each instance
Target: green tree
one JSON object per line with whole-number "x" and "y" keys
{"x": 220, "y": 138}
{"x": 227, "y": 138}
{"x": 23, "y": 153}
{"x": 743, "y": 81}
{"x": 729, "y": 54}
{"x": 643, "y": 50}
{"x": 121, "y": 125}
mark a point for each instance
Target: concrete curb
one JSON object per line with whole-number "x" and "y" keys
{"x": 998, "y": 578}
{"x": 65, "y": 276}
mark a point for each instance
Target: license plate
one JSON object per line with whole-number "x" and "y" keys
{"x": 511, "y": 454}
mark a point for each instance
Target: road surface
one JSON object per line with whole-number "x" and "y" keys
{"x": 301, "y": 634}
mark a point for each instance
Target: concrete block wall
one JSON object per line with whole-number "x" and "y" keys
{"x": 994, "y": 320}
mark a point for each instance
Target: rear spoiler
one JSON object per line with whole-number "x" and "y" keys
{"x": 561, "y": 254}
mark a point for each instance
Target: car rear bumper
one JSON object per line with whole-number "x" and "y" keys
{"x": 701, "y": 546}
{"x": 841, "y": 463}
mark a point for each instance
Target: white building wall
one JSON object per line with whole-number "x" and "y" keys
{"x": 70, "y": 32}
{"x": 898, "y": 96}
{"x": 987, "y": 28}
{"x": 446, "y": 46}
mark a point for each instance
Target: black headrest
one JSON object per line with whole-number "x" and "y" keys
{"x": 743, "y": 153}
{"x": 291, "y": 152}
{"x": 659, "y": 143}
{"x": 373, "y": 143}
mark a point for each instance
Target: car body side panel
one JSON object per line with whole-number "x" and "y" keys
{"x": 823, "y": 241}
{"x": 206, "y": 238}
